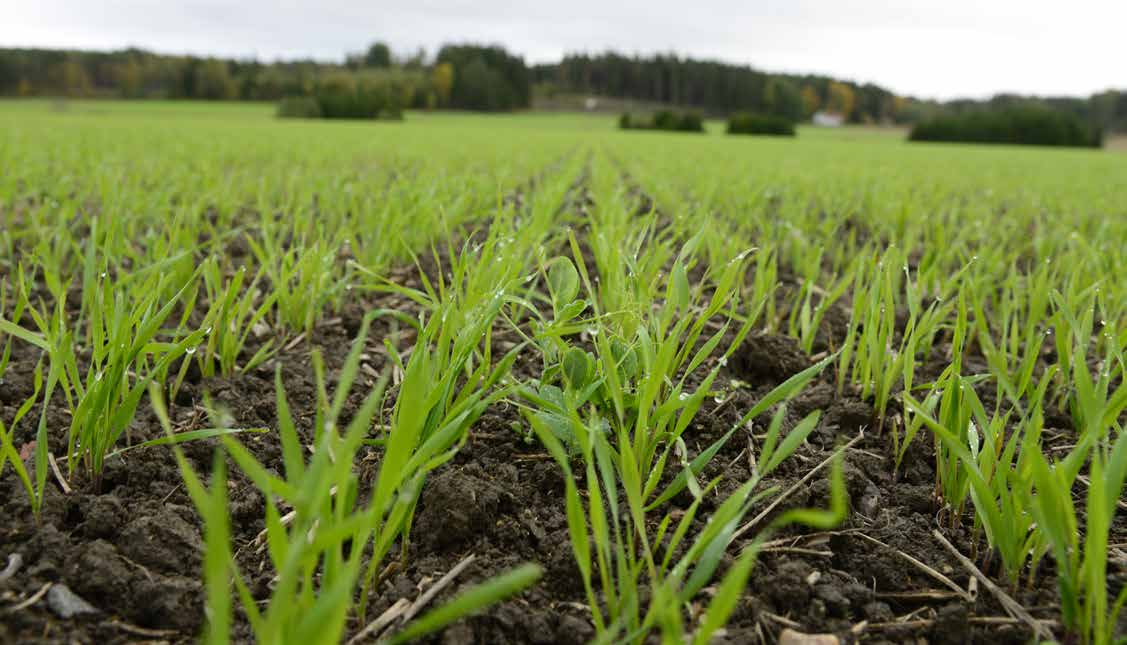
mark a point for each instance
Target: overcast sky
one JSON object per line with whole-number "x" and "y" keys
{"x": 928, "y": 48}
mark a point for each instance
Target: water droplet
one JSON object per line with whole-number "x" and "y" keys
{"x": 684, "y": 396}
{"x": 190, "y": 350}
{"x": 723, "y": 361}
{"x": 102, "y": 274}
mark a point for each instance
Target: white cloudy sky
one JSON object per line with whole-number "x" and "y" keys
{"x": 932, "y": 48}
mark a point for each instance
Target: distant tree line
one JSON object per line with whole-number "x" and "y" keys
{"x": 471, "y": 77}
{"x": 722, "y": 88}
{"x": 718, "y": 88}
{"x": 488, "y": 78}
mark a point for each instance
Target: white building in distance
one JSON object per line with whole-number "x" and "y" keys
{"x": 828, "y": 119}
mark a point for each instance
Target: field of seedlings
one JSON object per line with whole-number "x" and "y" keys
{"x": 529, "y": 379}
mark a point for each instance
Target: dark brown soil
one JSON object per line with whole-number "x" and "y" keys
{"x": 132, "y": 548}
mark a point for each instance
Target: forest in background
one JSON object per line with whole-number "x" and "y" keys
{"x": 489, "y": 78}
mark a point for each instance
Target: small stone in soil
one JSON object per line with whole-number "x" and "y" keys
{"x": 66, "y": 604}
{"x": 870, "y": 500}
{"x": 791, "y": 637}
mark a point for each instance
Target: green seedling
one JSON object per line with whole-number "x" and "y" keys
{"x": 304, "y": 279}
{"x": 622, "y": 409}
{"x": 235, "y": 314}
{"x": 1081, "y": 556}
{"x": 318, "y": 549}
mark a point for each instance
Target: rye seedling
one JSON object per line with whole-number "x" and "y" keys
{"x": 9, "y": 452}
{"x": 623, "y": 410}
{"x": 317, "y": 550}
{"x": 1081, "y": 556}
{"x": 126, "y": 355}
{"x": 235, "y": 313}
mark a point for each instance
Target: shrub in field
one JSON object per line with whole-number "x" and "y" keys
{"x": 666, "y": 120}
{"x": 749, "y": 123}
{"x": 361, "y": 103}
{"x": 299, "y": 107}
{"x": 1018, "y": 125}
{"x": 343, "y": 96}
{"x": 690, "y": 122}
{"x": 663, "y": 120}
